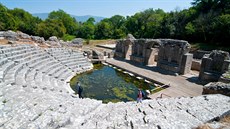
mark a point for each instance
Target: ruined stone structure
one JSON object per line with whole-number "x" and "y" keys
{"x": 173, "y": 56}
{"x": 124, "y": 47}
{"x": 197, "y": 57}
{"x": 144, "y": 51}
{"x": 214, "y": 65}
{"x": 35, "y": 94}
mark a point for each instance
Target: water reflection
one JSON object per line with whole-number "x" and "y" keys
{"x": 109, "y": 85}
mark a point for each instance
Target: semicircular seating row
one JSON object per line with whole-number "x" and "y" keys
{"x": 33, "y": 80}
{"x": 26, "y": 64}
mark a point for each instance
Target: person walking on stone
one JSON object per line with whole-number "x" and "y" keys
{"x": 139, "y": 96}
{"x": 79, "y": 90}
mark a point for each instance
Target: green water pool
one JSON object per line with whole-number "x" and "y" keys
{"x": 109, "y": 85}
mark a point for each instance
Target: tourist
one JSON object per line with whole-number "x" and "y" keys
{"x": 139, "y": 96}
{"x": 79, "y": 90}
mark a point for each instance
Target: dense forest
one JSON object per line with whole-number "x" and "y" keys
{"x": 207, "y": 21}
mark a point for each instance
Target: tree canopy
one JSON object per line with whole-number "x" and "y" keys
{"x": 206, "y": 21}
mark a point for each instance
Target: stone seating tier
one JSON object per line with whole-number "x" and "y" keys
{"x": 23, "y": 62}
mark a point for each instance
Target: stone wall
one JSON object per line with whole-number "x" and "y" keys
{"x": 124, "y": 47}
{"x": 144, "y": 51}
{"x": 199, "y": 54}
{"x": 213, "y": 65}
{"x": 173, "y": 56}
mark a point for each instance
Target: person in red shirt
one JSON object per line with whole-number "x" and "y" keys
{"x": 139, "y": 96}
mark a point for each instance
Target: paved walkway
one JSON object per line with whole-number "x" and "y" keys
{"x": 179, "y": 85}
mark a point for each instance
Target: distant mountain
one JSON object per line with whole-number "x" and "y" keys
{"x": 43, "y": 16}
{"x": 86, "y": 17}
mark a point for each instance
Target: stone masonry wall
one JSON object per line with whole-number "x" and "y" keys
{"x": 213, "y": 65}
{"x": 173, "y": 56}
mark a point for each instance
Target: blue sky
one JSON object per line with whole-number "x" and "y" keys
{"x": 105, "y": 8}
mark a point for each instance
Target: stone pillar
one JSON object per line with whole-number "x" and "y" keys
{"x": 150, "y": 56}
{"x": 202, "y": 67}
{"x": 225, "y": 66}
{"x": 105, "y": 53}
{"x": 186, "y": 63}
{"x": 127, "y": 52}
{"x": 205, "y": 67}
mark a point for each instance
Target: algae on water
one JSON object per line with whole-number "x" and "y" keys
{"x": 109, "y": 85}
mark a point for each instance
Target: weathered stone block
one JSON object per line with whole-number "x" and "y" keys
{"x": 171, "y": 56}
{"x": 186, "y": 63}
{"x": 123, "y": 48}
{"x": 196, "y": 65}
{"x": 138, "y": 59}
{"x": 217, "y": 88}
{"x": 213, "y": 65}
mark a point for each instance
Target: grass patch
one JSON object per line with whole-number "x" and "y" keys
{"x": 156, "y": 90}
{"x": 227, "y": 75}
{"x": 96, "y": 42}
{"x": 208, "y": 47}
{"x": 68, "y": 37}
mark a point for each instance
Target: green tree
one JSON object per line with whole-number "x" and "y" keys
{"x": 103, "y": 30}
{"x": 221, "y": 27}
{"x": 87, "y": 29}
{"x": 25, "y": 21}
{"x": 69, "y": 22}
{"x": 7, "y": 21}
{"x": 50, "y": 27}
{"x": 145, "y": 24}
{"x": 117, "y": 22}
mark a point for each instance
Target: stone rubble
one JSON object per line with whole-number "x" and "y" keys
{"x": 53, "y": 41}
{"x": 217, "y": 88}
{"x": 78, "y": 41}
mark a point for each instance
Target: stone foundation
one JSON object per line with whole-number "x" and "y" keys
{"x": 173, "y": 56}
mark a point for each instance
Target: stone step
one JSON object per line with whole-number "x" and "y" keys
{"x": 53, "y": 71}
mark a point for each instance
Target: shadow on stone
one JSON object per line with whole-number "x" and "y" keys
{"x": 195, "y": 80}
{"x": 152, "y": 68}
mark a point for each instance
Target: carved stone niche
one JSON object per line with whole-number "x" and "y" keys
{"x": 213, "y": 65}
{"x": 123, "y": 48}
{"x": 144, "y": 51}
{"x": 173, "y": 56}
{"x": 118, "y": 49}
